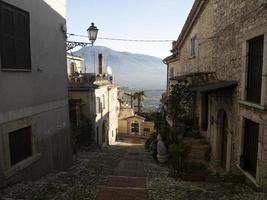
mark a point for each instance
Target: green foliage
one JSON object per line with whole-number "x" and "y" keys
{"x": 140, "y": 96}
{"x": 82, "y": 135}
{"x": 196, "y": 168}
{"x": 179, "y": 154}
{"x": 151, "y": 145}
{"x": 162, "y": 128}
{"x": 181, "y": 102}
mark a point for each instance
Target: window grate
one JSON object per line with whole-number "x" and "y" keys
{"x": 250, "y": 149}
{"x": 255, "y": 62}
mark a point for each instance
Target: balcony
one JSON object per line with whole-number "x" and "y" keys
{"x": 83, "y": 79}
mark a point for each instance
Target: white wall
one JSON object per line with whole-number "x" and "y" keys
{"x": 80, "y": 67}
{"x": 109, "y": 112}
{"x": 58, "y": 5}
{"x": 113, "y": 114}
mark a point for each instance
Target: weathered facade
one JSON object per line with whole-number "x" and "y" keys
{"x": 97, "y": 97}
{"x": 34, "y": 123}
{"x": 131, "y": 124}
{"x": 232, "y": 107}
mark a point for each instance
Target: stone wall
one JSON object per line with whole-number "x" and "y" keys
{"x": 223, "y": 29}
{"x": 235, "y": 23}
{"x": 203, "y": 29}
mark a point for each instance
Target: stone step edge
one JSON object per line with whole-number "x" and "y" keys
{"x": 131, "y": 177}
{"x": 122, "y": 188}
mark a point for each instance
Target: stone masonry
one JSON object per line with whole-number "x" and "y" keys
{"x": 222, "y": 29}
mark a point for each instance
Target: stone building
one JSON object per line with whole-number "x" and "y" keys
{"x": 94, "y": 96}
{"x": 132, "y": 125}
{"x": 221, "y": 52}
{"x": 34, "y": 123}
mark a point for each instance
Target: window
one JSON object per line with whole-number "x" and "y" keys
{"x": 98, "y": 105}
{"x": 14, "y": 38}
{"x": 193, "y": 46}
{"x": 254, "y": 72}
{"x": 103, "y": 96}
{"x": 73, "y": 67}
{"x": 135, "y": 127}
{"x": 250, "y": 148}
{"x": 20, "y": 145}
{"x": 146, "y": 129}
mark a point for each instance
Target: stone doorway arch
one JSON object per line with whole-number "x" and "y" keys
{"x": 222, "y": 138}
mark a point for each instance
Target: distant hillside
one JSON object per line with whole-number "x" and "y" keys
{"x": 129, "y": 70}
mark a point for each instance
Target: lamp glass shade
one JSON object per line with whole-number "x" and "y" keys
{"x": 92, "y": 33}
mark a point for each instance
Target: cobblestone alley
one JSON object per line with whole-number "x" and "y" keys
{"x": 122, "y": 173}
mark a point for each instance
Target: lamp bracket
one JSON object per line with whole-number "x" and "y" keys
{"x": 71, "y": 44}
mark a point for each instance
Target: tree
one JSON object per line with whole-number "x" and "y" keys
{"x": 140, "y": 96}
{"x": 132, "y": 96}
{"x": 181, "y": 105}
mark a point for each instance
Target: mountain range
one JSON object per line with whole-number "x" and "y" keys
{"x": 130, "y": 70}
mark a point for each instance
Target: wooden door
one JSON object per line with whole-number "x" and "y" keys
{"x": 250, "y": 148}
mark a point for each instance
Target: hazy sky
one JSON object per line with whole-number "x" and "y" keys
{"x": 130, "y": 19}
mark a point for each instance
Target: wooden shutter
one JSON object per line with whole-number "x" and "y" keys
{"x": 15, "y": 38}
{"x": 255, "y": 62}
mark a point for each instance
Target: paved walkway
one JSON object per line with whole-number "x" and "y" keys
{"x": 123, "y": 172}
{"x": 128, "y": 181}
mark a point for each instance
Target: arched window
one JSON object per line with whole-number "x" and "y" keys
{"x": 193, "y": 46}
{"x": 135, "y": 127}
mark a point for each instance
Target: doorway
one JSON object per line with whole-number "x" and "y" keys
{"x": 222, "y": 138}
{"x": 250, "y": 147}
{"x": 104, "y": 132}
{"x": 204, "y": 111}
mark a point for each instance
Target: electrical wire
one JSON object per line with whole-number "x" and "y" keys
{"x": 120, "y": 39}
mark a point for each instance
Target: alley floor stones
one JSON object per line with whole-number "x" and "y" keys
{"x": 90, "y": 170}
{"x": 129, "y": 181}
{"x": 117, "y": 167}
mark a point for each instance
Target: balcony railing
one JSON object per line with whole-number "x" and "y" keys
{"x": 89, "y": 78}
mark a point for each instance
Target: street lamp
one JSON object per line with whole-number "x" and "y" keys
{"x": 92, "y": 36}
{"x": 92, "y": 33}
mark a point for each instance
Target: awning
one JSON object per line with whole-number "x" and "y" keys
{"x": 214, "y": 86}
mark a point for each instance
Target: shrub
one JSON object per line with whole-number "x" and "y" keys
{"x": 197, "y": 168}
{"x": 179, "y": 154}
{"x": 82, "y": 135}
{"x": 151, "y": 145}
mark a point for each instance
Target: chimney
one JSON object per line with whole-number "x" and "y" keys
{"x": 100, "y": 63}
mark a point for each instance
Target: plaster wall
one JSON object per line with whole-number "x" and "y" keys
{"x": 38, "y": 97}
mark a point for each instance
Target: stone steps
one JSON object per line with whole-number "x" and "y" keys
{"x": 198, "y": 149}
{"x": 128, "y": 181}
{"x": 113, "y": 193}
